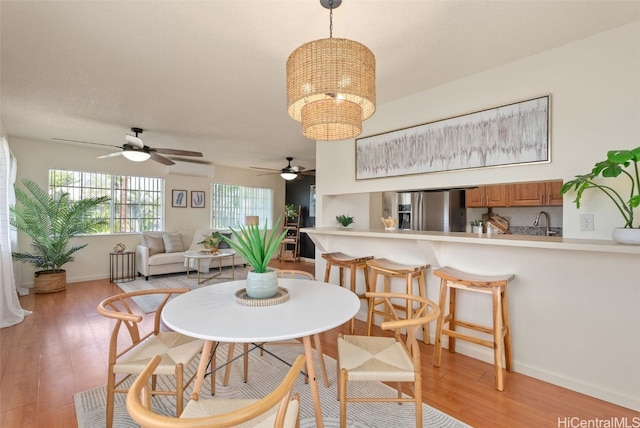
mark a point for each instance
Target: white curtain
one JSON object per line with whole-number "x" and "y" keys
{"x": 10, "y": 310}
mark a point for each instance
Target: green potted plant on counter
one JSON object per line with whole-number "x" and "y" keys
{"x": 257, "y": 248}
{"x": 619, "y": 163}
{"x": 476, "y": 226}
{"x": 51, "y": 221}
{"x": 344, "y": 220}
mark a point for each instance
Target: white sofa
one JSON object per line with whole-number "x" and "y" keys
{"x": 163, "y": 252}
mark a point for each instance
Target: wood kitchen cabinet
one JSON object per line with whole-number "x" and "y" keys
{"x": 543, "y": 193}
{"x": 486, "y": 196}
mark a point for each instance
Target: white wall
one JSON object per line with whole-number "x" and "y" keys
{"x": 36, "y": 158}
{"x": 595, "y": 107}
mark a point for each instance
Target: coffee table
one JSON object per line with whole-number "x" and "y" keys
{"x": 198, "y": 256}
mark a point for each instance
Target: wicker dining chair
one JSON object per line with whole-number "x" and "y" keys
{"x": 280, "y": 408}
{"x": 130, "y": 356}
{"x": 386, "y": 359}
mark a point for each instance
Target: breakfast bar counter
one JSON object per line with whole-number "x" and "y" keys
{"x": 574, "y": 304}
{"x": 506, "y": 240}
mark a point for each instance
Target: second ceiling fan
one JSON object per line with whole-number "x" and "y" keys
{"x": 290, "y": 172}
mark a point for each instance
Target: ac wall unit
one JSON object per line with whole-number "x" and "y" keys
{"x": 192, "y": 169}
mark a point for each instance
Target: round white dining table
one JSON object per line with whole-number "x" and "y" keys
{"x": 213, "y": 313}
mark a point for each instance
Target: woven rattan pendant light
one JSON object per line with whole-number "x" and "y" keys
{"x": 331, "y": 85}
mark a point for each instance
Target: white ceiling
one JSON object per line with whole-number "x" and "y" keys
{"x": 210, "y": 75}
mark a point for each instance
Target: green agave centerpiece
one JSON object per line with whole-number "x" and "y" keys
{"x": 257, "y": 247}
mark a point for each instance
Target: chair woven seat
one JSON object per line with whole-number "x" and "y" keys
{"x": 278, "y": 409}
{"x": 174, "y": 348}
{"x": 381, "y": 359}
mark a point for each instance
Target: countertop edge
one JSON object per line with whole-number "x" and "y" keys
{"x": 526, "y": 241}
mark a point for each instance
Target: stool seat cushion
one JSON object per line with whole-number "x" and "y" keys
{"x": 369, "y": 358}
{"x": 339, "y": 257}
{"x": 388, "y": 265}
{"x": 455, "y": 275}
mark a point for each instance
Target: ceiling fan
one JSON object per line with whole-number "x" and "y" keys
{"x": 134, "y": 149}
{"x": 290, "y": 172}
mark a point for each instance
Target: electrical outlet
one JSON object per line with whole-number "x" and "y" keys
{"x": 586, "y": 223}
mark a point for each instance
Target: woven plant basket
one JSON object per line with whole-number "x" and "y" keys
{"x": 46, "y": 282}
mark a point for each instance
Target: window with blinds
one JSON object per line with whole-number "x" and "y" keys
{"x": 230, "y": 204}
{"x": 135, "y": 205}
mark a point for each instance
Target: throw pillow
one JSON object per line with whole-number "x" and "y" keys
{"x": 155, "y": 244}
{"x": 172, "y": 242}
{"x": 223, "y": 244}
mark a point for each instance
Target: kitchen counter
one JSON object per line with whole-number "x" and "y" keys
{"x": 506, "y": 240}
{"x": 574, "y": 303}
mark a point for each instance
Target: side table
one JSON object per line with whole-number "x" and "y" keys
{"x": 122, "y": 266}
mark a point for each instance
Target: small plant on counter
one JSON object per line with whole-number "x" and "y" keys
{"x": 344, "y": 220}
{"x": 615, "y": 165}
{"x": 476, "y": 223}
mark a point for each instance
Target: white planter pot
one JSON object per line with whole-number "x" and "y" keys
{"x": 624, "y": 235}
{"x": 262, "y": 285}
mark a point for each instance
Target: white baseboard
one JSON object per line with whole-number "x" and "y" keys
{"x": 485, "y": 354}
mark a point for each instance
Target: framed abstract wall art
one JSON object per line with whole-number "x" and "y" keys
{"x": 179, "y": 198}
{"x": 512, "y": 134}
{"x": 197, "y": 199}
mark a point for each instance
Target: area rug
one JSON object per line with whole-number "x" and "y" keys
{"x": 265, "y": 373}
{"x": 177, "y": 280}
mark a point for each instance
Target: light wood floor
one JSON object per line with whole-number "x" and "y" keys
{"x": 61, "y": 349}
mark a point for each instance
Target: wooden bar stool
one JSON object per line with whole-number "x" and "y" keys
{"x": 389, "y": 269}
{"x": 496, "y": 285}
{"x": 344, "y": 261}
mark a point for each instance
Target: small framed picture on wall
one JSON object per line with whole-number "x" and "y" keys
{"x": 179, "y": 198}
{"x": 197, "y": 199}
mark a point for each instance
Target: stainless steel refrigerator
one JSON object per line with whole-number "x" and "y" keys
{"x": 436, "y": 210}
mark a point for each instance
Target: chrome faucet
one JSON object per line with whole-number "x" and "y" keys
{"x": 548, "y": 232}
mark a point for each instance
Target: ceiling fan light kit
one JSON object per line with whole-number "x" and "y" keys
{"x": 331, "y": 85}
{"x": 288, "y": 175}
{"x": 136, "y": 155}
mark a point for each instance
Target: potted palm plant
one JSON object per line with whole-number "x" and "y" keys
{"x": 257, "y": 248}
{"x": 619, "y": 163}
{"x": 51, "y": 221}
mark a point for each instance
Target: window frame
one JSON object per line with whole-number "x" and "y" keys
{"x": 238, "y": 205}
{"x": 148, "y": 197}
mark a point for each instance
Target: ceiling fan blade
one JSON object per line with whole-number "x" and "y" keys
{"x": 268, "y": 173}
{"x": 156, "y": 157}
{"x": 309, "y": 172}
{"x": 110, "y": 155}
{"x": 264, "y": 169}
{"x": 189, "y": 160}
{"x": 176, "y": 152}
{"x": 84, "y": 142}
